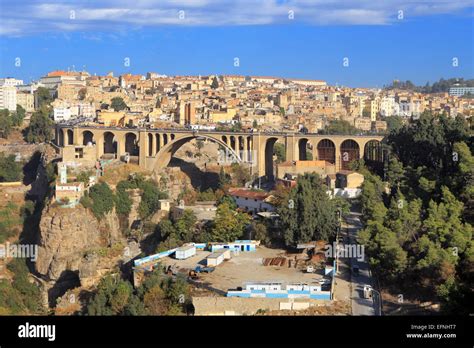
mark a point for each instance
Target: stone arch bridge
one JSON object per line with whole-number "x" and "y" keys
{"x": 153, "y": 148}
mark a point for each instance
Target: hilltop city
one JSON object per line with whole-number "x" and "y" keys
{"x": 229, "y": 194}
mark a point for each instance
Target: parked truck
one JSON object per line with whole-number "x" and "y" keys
{"x": 200, "y": 269}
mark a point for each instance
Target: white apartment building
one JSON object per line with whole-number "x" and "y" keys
{"x": 61, "y": 114}
{"x": 10, "y": 82}
{"x": 408, "y": 109}
{"x": 8, "y": 98}
{"x": 387, "y": 106}
{"x": 460, "y": 91}
{"x": 86, "y": 110}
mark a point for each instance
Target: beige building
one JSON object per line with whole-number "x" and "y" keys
{"x": 8, "y": 97}
{"x": 363, "y": 123}
{"x": 26, "y": 101}
{"x": 80, "y": 154}
{"x": 316, "y": 83}
{"x": 372, "y": 108}
{"x": 110, "y": 118}
{"x": 69, "y": 192}
{"x": 349, "y": 179}
{"x": 300, "y": 167}
{"x": 222, "y": 116}
{"x": 379, "y": 126}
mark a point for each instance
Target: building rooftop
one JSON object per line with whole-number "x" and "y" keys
{"x": 245, "y": 193}
{"x": 217, "y": 254}
{"x": 185, "y": 247}
{"x": 304, "y": 164}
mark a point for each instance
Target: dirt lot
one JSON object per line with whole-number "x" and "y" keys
{"x": 188, "y": 264}
{"x": 245, "y": 267}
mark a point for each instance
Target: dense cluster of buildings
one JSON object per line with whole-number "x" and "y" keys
{"x": 270, "y": 103}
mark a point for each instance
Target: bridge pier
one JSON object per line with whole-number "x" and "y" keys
{"x": 245, "y": 150}
{"x": 291, "y": 146}
{"x": 143, "y": 144}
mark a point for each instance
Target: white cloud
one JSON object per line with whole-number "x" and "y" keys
{"x": 26, "y": 17}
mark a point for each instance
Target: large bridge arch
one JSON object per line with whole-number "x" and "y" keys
{"x": 110, "y": 143}
{"x": 131, "y": 144}
{"x": 87, "y": 137}
{"x": 373, "y": 151}
{"x": 350, "y": 151}
{"x": 305, "y": 149}
{"x": 163, "y": 156}
{"x": 269, "y": 153}
{"x": 326, "y": 151}
{"x": 60, "y": 137}
{"x": 69, "y": 138}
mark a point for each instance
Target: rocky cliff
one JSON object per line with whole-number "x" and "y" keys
{"x": 75, "y": 249}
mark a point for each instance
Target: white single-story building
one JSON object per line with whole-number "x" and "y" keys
{"x": 184, "y": 252}
{"x": 252, "y": 201}
{"x": 216, "y": 258}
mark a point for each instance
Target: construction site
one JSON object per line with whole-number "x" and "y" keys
{"x": 227, "y": 271}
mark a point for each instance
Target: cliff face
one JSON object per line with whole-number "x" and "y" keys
{"x": 72, "y": 240}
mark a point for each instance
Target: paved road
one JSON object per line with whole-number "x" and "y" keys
{"x": 360, "y": 306}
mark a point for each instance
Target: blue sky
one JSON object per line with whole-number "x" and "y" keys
{"x": 208, "y": 35}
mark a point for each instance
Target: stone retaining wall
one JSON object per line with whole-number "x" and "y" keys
{"x": 247, "y": 306}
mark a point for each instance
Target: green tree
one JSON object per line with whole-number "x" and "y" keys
{"x": 444, "y": 224}
{"x": 84, "y": 176}
{"x": 150, "y": 199}
{"x": 404, "y": 218}
{"x": 308, "y": 214}
{"x": 43, "y": 97}
{"x": 394, "y": 123}
{"x": 259, "y": 231}
{"x": 123, "y": 202}
{"x": 10, "y": 170}
{"x": 280, "y": 152}
{"x": 155, "y": 301}
{"x": 111, "y": 297}
{"x": 228, "y": 225}
{"x": 240, "y": 174}
{"x": 5, "y": 123}
{"x": 224, "y": 178}
{"x": 215, "y": 83}
{"x": 371, "y": 199}
{"x": 340, "y": 127}
{"x": 102, "y": 198}
{"x": 463, "y": 177}
{"x": 24, "y": 297}
{"x": 118, "y": 104}
{"x": 120, "y": 296}
{"x": 229, "y": 200}
{"x": 199, "y": 145}
{"x": 185, "y": 225}
{"x": 81, "y": 95}
{"x": 41, "y": 127}
{"x": 395, "y": 172}
{"x": 18, "y": 116}
{"x": 386, "y": 256}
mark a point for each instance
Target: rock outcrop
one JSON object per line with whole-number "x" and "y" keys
{"x": 73, "y": 240}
